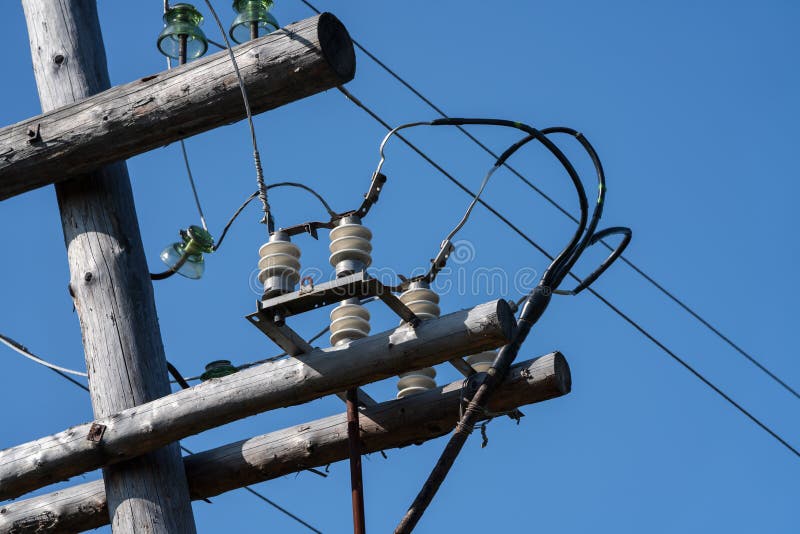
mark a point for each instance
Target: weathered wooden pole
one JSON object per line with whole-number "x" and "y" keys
{"x": 109, "y": 280}
{"x": 135, "y": 431}
{"x": 300, "y": 60}
{"x": 397, "y": 423}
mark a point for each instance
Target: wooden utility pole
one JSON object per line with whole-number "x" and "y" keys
{"x": 109, "y": 279}
{"x": 396, "y": 423}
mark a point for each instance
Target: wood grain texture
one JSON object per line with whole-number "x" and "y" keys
{"x": 303, "y": 59}
{"x": 264, "y": 387}
{"x": 412, "y": 420}
{"x": 109, "y": 279}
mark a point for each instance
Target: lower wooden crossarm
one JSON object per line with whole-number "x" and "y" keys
{"x": 412, "y": 420}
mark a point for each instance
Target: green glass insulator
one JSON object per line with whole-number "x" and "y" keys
{"x": 196, "y": 242}
{"x": 253, "y": 20}
{"x": 182, "y": 21}
{"x": 217, "y": 369}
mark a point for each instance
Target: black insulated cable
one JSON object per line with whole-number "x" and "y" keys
{"x": 666, "y": 292}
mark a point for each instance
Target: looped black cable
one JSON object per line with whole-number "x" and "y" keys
{"x": 551, "y": 276}
{"x": 597, "y": 213}
{"x": 174, "y": 269}
{"x": 170, "y": 270}
{"x": 532, "y": 309}
{"x": 616, "y": 253}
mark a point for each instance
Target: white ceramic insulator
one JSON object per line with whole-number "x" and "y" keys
{"x": 351, "y": 241}
{"x": 279, "y": 259}
{"x": 348, "y": 322}
{"x": 424, "y": 302}
{"x": 482, "y": 361}
{"x": 416, "y": 382}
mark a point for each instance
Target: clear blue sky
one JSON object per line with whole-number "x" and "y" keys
{"x": 693, "y": 108}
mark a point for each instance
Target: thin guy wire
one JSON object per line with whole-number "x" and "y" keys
{"x": 58, "y": 371}
{"x": 262, "y": 189}
{"x": 23, "y": 351}
{"x": 616, "y": 310}
{"x": 752, "y": 359}
{"x": 284, "y": 510}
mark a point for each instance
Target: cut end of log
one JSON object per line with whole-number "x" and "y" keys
{"x": 506, "y": 318}
{"x": 562, "y": 375}
{"x": 337, "y": 47}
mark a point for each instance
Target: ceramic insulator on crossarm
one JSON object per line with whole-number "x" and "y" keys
{"x": 279, "y": 265}
{"x": 481, "y": 361}
{"x": 424, "y": 302}
{"x": 350, "y": 246}
{"x": 349, "y": 321}
{"x": 350, "y": 253}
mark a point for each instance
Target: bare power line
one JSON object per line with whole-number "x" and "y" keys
{"x": 752, "y": 359}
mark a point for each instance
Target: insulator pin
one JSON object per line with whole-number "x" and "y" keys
{"x": 350, "y": 246}
{"x": 349, "y": 321}
{"x": 279, "y": 265}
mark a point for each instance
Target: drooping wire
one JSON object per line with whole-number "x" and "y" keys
{"x": 233, "y": 218}
{"x": 172, "y": 269}
{"x": 23, "y": 351}
{"x": 752, "y": 359}
{"x": 61, "y": 372}
{"x": 359, "y": 103}
{"x": 272, "y": 186}
{"x": 262, "y": 189}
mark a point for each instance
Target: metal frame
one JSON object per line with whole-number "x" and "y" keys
{"x": 271, "y": 315}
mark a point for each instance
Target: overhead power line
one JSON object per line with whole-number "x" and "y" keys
{"x": 752, "y": 359}
{"x": 538, "y": 247}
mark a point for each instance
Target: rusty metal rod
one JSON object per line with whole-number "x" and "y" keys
{"x": 182, "y": 38}
{"x": 254, "y": 30}
{"x": 356, "y": 480}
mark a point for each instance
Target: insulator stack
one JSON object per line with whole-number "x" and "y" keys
{"x": 424, "y": 302}
{"x": 350, "y": 246}
{"x": 482, "y": 361}
{"x": 350, "y": 253}
{"x": 349, "y": 321}
{"x": 279, "y": 264}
